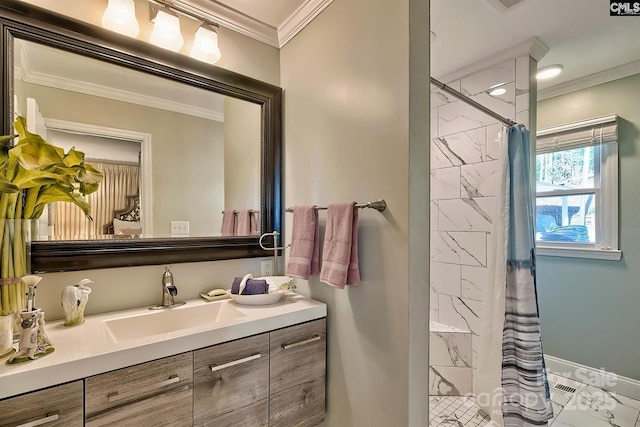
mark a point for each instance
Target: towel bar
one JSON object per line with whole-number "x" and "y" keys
{"x": 379, "y": 205}
{"x": 252, "y": 211}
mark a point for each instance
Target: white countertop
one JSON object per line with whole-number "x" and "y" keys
{"x": 90, "y": 349}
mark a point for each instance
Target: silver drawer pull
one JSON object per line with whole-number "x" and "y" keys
{"x": 41, "y": 421}
{"x": 314, "y": 338}
{"x": 235, "y": 362}
{"x": 115, "y": 396}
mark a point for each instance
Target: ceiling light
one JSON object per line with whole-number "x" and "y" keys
{"x": 498, "y": 91}
{"x": 166, "y": 30}
{"x": 205, "y": 44}
{"x": 549, "y": 72}
{"x": 498, "y": 85}
{"x": 120, "y": 17}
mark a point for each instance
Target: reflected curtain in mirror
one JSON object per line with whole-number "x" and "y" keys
{"x": 120, "y": 180}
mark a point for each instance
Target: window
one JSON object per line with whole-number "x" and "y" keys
{"x": 577, "y": 190}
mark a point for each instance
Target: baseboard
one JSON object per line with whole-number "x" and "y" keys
{"x": 592, "y": 376}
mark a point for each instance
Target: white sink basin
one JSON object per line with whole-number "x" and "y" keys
{"x": 170, "y": 320}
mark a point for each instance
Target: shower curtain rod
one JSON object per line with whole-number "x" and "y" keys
{"x": 471, "y": 102}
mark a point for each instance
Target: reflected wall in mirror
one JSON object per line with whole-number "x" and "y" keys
{"x": 210, "y": 140}
{"x": 174, "y": 157}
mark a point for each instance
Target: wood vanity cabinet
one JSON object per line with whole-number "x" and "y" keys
{"x": 231, "y": 383}
{"x": 150, "y": 394}
{"x": 52, "y": 407}
{"x": 297, "y": 375}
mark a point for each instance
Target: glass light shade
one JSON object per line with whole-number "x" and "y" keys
{"x": 166, "y": 32}
{"x": 205, "y": 45}
{"x": 549, "y": 72}
{"x": 120, "y": 17}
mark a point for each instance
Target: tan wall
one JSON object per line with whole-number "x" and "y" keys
{"x": 121, "y": 288}
{"x": 346, "y": 81}
{"x": 241, "y": 157}
{"x": 184, "y": 149}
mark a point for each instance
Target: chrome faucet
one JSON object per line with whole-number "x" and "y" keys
{"x": 169, "y": 291}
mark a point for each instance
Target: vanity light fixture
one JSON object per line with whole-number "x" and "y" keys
{"x": 205, "y": 44}
{"x": 120, "y": 16}
{"x": 549, "y": 72}
{"x": 166, "y": 28}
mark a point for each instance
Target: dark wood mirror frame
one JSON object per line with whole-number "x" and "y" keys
{"x": 24, "y": 21}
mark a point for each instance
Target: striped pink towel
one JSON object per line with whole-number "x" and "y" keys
{"x": 228, "y": 223}
{"x": 305, "y": 243}
{"x": 340, "y": 251}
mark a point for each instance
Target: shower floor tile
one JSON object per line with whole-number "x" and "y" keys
{"x": 458, "y": 411}
{"x": 588, "y": 406}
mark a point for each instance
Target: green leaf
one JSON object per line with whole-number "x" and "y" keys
{"x": 57, "y": 193}
{"x": 7, "y": 186}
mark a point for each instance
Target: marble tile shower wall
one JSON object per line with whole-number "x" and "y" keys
{"x": 464, "y": 153}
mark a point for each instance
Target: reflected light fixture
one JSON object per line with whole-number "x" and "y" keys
{"x": 549, "y": 72}
{"x": 205, "y": 44}
{"x": 120, "y": 16}
{"x": 166, "y": 29}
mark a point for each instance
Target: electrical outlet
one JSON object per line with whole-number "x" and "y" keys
{"x": 180, "y": 227}
{"x": 267, "y": 268}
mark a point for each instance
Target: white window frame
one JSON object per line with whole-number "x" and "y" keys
{"x": 606, "y": 199}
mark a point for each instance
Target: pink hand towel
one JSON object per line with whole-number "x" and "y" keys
{"x": 253, "y": 220}
{"x": 305, "y": 243}
{"x": 228, "y": 223}
{"x": 340, "y": 252}
{"x": 243, "y": 223}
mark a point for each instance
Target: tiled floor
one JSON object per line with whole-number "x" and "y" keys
{"x": 587, "y": 406}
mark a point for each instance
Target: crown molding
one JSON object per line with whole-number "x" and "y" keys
{"x": 532, "y": 47}
{"x": 213, "y": 11}
{"x": 595, "y": 79}
{"x": 300, "y": 19}
{"x": 86, "y": 88}
{"x": 227, "y": 17}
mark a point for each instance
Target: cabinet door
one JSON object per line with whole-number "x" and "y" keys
{"x": 297, "y": 375}
{"x": 56, "y": 406}
{"x": 231, "y": 383}
{"x": 157, "y": 393}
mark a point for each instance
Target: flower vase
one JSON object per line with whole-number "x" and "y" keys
{"x": 15, "y": 263}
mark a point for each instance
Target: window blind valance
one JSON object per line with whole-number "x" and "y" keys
{"x": 599, "y": 130}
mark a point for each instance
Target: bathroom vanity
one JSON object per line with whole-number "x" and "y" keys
{"x": 251, "y": 366}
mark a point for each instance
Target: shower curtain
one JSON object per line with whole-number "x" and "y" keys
{"x": 510, "y": 383}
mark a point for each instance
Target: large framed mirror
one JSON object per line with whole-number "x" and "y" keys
{"x": 182, "y": 145}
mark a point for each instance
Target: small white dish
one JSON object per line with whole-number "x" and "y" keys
{"x": 262, "y": 299}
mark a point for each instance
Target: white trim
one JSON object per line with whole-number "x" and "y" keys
{"x": 227, "y": 17}
{"x": 574, "y": 252}
{"x": 119, "y": 95}
{"x": 597, "y": 377}
{"x": 146, "y": 193}
{"x": 595, "y": 79}
{"x": 300, "y": 19}
{"x": 578, "y": 125}
{"x": 532, "y": 47}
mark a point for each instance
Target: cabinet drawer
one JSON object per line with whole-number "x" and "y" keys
{"x": 297, "y": 375}
{"x": 150, "y": 394}
{"x": 231, "y": 383}
{"x": 55, "y": 406}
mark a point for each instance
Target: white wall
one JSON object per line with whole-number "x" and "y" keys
{"x": 122, "y": 288}
{"x": 464, "y": 158}
{"x": 347, "y": 97}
